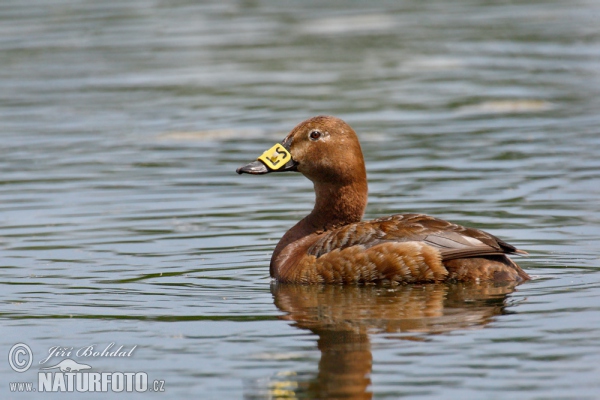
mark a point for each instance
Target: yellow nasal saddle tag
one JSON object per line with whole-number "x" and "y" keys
{"x": 275, "y": 157}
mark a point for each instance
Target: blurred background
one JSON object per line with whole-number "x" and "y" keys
{"x": 122, "y": 219}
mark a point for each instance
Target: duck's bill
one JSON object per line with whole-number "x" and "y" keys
{"x": 276, "y": 159}
{"x": 254, "y": 168}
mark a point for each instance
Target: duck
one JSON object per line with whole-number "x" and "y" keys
{"x": 333, "y": 245}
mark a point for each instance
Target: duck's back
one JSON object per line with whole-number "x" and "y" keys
{"x": 404, "y": 248}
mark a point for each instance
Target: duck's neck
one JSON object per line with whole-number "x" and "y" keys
{"x": 336, "y": 205}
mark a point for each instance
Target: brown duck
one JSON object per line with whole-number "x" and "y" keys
{"x": 333, "y": 245}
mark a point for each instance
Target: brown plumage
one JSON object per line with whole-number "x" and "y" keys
{"x": 332, "y": 245}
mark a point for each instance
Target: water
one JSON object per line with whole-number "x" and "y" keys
{"x": 122, "y": 220}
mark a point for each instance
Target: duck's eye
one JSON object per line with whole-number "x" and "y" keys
{"x": 314, "y": 135}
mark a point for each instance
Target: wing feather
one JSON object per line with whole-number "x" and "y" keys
{"x": 453, "y": 241}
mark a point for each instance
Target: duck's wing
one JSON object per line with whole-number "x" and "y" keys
{"x": 453, "y": 241}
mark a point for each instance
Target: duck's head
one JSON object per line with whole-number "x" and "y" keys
{"x": 325, "y": 149}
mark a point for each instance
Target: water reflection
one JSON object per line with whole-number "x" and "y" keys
{"x": 344, "y": 317}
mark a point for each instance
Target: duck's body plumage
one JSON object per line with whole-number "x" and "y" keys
{"x": 407, "y": 248}
{"x": 332, "y": 245}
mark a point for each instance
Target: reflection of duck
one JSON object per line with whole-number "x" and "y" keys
{"x": 331, "y": 245}
{"x": 343, "y": 318}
